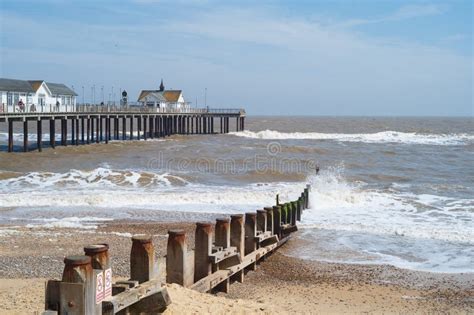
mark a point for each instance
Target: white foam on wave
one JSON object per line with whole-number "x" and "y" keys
{"x": 378, "y": 137}
{"x": 204, "y": 199}
{"x": 101, "y": 177}
{"x": 68, "y": 222}
{"x": 340, "y": 205}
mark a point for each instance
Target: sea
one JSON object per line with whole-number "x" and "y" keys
{"x": 397, "y": 191}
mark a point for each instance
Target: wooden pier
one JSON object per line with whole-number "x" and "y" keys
{"x": 95, "y": 124}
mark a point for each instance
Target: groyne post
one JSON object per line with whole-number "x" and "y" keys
{"x": 203, "y": 248}
{"x": 237, "y": 239}
{"x": 250, "y": 234}
{"x": 178, "y": 267}
{"x": 277, "y": 220}
{"x": 222, "y": 234}
{"x": 270, "y": 220}
{"x": 142, "y": 259}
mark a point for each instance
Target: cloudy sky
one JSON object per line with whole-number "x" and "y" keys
{"x": 335, "y": 57}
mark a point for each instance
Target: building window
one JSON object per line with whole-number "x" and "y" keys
{"x": 9, "y": 98}
{"x": 29, "y": 99}
{"x": 63, "y": 100}
{"x": 16, "y": 98}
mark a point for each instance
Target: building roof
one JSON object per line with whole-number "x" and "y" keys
{"x": 31, "y": 86}
{"x": 60, "y": 89}
{"x": 151, "y": 96}
{"x": 172, "y": 95}
{"x": 11, "y": 85}
{"x": 35, "y": 84}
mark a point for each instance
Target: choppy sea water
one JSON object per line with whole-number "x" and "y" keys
{"x": 390, "y": 190}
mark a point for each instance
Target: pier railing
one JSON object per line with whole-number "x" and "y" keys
{"x": 90, "y": 108}
{"x": 222, "y": 254}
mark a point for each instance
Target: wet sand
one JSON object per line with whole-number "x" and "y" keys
{"x": 281, "y": 284}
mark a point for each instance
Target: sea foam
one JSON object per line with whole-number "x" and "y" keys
{"x": 378, "y": 137}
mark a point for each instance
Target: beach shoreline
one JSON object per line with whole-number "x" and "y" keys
{"x": 283, "y": 284}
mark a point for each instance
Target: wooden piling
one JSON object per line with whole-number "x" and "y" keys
{"x": 203, "y": 248}
{"x": 131, "y": 127}
{"x": 269, "y": 211}
{"x": 142, "y": 259}
{"x": 124, "y": 128}
{"x": 250, "y": 234}
{"x": 97, "y": 129}
{"x": 99, "y": 254}
{"x": 107, "y": 129}
{"x": 88, "y": 129}
{"x": 77, "y": 290}
{"x": 10, "y": 135}
{"x": 39, "y": 135}
{"x": 294, "y": 206}
{"x": 178, "y": 268}
{"x": 237, "y": 239}
{"x": 262, "y": 221}
{"x": 82, "y": 131}
{"x": 277, "y": 220}
{"x": 144, "y": 128}
{"x": 52, "y": 133}
{"x": 25, "y": 135}
{"x": 222, "y": 234}
{"x": 73, "y": 131}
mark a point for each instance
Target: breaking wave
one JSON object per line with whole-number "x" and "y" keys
{"x": 378, "y": 137}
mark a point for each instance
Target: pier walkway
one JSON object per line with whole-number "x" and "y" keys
{"x": 87, "y": 124}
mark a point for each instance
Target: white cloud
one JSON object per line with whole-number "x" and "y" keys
{"x": 254, "y": 59}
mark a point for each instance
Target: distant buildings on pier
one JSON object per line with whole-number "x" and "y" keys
{"x": 162, "y": 98}
{"x": 42, "y": 96}
{"x": 34, "y": 95}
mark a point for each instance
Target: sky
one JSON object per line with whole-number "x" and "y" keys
{"x": 361, "y": 58}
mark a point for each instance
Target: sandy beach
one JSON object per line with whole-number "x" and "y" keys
{"x": 281, "y": 284}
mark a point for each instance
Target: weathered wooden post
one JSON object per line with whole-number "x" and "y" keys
{"x": 269, "y": 211}
{"x": 107, "y": 129}
{"x": 99, "y": 254}
{"x": 145, "y": 128}
{"x": 98, "y": 131}
{"x": 39, "y": 134}
{"x": 178, "y": 268}
{"x": 294, "y": 210}
{"x": 142, "y": 259}
{"x": 222, "y": 240}
{"x": 77, "y": 289}
{"x": 82, "y": 130}
{"x": 92, "y": 129}
{"x": 262, "y": 221}
{"x": 124, "y": 127}
{"x": 131, "y": 127}
{"x": 299, "y": 209}
{"x": 10, "y": 135}
{"x": 52, "y": 131}
{"x": 250, "y": 234}
{"x": 306, "y": 191}
{"x": 277, "y": 220}
{"x": 101, "y": 129}
{"x": 25, "y": 135}
{"x": 284, "y": 213}
{"x": 203, "y": 248}
{"x": 237, "y": 239}
{"x": 151, "y": 131}
{"x": 73, "y": 131}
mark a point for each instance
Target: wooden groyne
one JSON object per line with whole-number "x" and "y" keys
{"x": 222, "y": 254}
{"x": 93, "y": 124}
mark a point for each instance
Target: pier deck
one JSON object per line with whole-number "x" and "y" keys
{"x": 94, "y": 124}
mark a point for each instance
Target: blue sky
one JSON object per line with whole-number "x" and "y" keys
{"x": 270, "y": 57}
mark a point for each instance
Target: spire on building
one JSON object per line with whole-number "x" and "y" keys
{"x": 162, "y": 86}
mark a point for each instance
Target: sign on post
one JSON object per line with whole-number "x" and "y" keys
{"x": 108, "y": 283}
{"x": 99, "y": 288}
